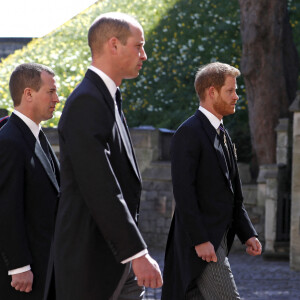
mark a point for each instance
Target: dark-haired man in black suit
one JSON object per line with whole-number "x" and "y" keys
{"x": 209, "y": 202}
{"x": 29, "y": 185}
{"x": 99, "y": 252}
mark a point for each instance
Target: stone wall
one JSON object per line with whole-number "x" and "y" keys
{"x": 9, "y": 45}
{"x": 157, "y": 201}
{"x": 295, "y": 209}
{"x": 274, "y": 195}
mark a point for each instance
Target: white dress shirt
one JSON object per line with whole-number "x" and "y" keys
{"x": 111, "y": 86}
{"x": 35, "y": 129}
{"x": 215, "y": 122}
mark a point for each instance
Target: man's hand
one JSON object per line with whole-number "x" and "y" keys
{"x": 206, "y": 251}
{"x": 147, "y": 272}
{"x": 253, "y": 246}
{"x": 22, "y": 282}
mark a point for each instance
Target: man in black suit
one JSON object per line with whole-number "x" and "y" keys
{"x": 209, "y": 202}
{"x": 98, "y": 248}
{"x": 29, "y": 185}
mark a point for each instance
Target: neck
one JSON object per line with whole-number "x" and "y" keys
{"x": 27, "y": 114}
{"x": 105, "y": 67}
{"x": 211, "y": 110}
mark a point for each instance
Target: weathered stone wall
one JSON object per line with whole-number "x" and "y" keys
{"x": 9, "y": 45}
{"x": 295, "y": 210}
{"x": 255, "y": 211}
{"x": 273, "y": 195}
{"x": 157, "y": 201}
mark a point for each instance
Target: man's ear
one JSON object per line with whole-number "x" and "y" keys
{"x": 27, "y": 94}
{"x": 212, "y": 92}
{"x": 113, "y": 44}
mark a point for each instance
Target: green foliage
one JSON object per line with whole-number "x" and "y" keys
{"x": 180, "y": 36}
{"x": 192, "y": 33}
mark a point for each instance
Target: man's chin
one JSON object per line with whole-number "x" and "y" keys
{"x": 132, "y": 76}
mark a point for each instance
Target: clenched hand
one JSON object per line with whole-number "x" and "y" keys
{"x": 206, "y": 251}
{"x": 147, "y": 271}
{"x": 22, "y": 282}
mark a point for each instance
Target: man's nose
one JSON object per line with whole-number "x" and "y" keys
{"x": 143, "y": 55}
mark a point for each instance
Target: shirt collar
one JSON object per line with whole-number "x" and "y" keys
{"x": 215, "y": 122}
{"x": 110, "y": 84}
{"x": 35, "y": 129}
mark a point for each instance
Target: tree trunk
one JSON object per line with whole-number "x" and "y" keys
{"x": 270, "y": 69}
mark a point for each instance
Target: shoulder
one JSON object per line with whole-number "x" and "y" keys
{"x": 190, "y": 127}
{"x": 11, "y": 143}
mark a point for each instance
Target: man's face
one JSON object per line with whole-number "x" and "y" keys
{"x": 45, "y": 99}
{"x": 132, "y": 54}
{"x": 225, "y": 100}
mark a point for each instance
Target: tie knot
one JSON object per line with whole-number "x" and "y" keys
{"x": 221, "y": 129}
{"x": 118, "y": 95}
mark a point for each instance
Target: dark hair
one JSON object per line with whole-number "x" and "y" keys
{"x": 26, "y": 76}
{"x": 213, "y": 74}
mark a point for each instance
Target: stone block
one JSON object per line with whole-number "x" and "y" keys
{"x": 261, "y": 193}
{"x": 250, "y": 194}
{"x": 160, "y": 222}
{"x": 266, "y": 171}
{"x": 158, "y": 171}
{"x": 282, "y": 156}
{"x": 52, "y": 135}
{"x": 146, "y": 206}
{"x": 157, "y": 185}
{"x": 282, "y": 139}
{"x": 151, "y": 195}
{"x": 144, "y": 157}
{"x": 271, "y": 188}
{"x": 145, "y": 138}
{"x": 270, "y": 225}
{"x": 296, "y": 124}
{"x": 143, "y": 195}
{"x": 244, "y": 172}
{"x": 160, "y": 205}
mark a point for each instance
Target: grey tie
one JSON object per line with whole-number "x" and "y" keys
{"x": 45, "y": 147}
{"x": 225, "y": 145}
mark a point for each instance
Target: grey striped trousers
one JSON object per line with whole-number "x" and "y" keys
{"x": 216, "y": 281}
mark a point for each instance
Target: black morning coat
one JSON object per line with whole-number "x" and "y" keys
{"x": 100, "y": 194}
{"x": 29, "y": 192}
{"x": 208, "y": 202}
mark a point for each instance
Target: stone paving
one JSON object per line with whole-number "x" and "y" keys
{"x": 256, "y": 278}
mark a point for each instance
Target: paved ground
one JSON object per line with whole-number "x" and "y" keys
{"x": 256, "y": 278}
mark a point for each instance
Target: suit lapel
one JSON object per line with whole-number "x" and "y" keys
{"x": 45, "y": 163}
{"x": 125, "y": 136}
{"x": 214, "y": 140}
{"x": 36, "y": 148}
{"x": 131, "y": 145}
{"x": 127, "y": 142}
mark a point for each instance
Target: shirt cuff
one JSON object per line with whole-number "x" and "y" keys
{"x": 19, "y": 270}
{"x": 142, "y": 253}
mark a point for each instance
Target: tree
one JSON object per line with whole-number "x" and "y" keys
{"x": 270, "y": 69}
